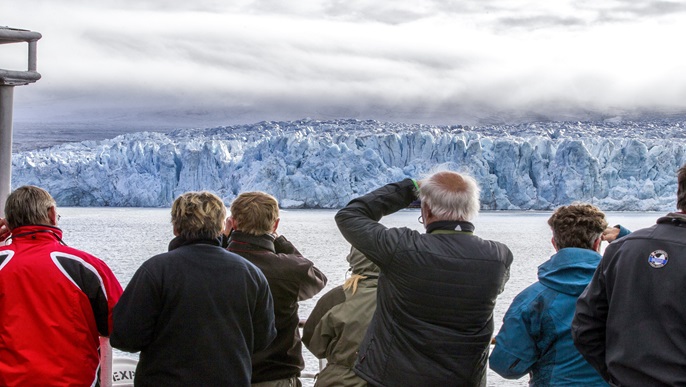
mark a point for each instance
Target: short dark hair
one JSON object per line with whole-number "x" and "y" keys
{"x": 681, "y": 188}
{"x": 577, "y": 225}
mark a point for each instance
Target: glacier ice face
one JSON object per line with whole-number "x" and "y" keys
{"x": 324, "y": 164}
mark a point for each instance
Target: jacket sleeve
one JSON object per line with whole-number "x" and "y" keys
{"x": 319, "y": 331}
{"x": 515, "y": 350}
{"x": 310, "y": 279}
{"x": 263, "y": 315}
{"x": 590, "y": 319}
{"x": 359, "y": 221}
{"x": 623, "y": 231}
{"x": 136, "y": 313}
{"x": 97, "y": 282}
{"x": 114, "y": 291}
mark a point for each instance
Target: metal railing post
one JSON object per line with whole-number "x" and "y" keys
{"x": 9, "y": 79}
{"x": 33, "y": 58}
{"x": 6, "y": 98}
{"x": 105, "y": 362}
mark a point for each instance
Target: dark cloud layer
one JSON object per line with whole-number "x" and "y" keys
{"x": 165, "y": 64}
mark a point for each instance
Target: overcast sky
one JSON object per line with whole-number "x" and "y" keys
{"x": 172, "y": 63}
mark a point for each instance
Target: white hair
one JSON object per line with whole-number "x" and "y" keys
{"x": 446, "y": 201}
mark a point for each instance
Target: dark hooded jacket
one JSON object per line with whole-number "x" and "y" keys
{"x": 338, "y": 323}
{"x": 630, "y": 322}
{"x": 535, "y": 337}
{"x": 434, "y": 317}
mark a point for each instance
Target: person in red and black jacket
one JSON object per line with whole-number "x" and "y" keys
{"x": 55, "y": 301}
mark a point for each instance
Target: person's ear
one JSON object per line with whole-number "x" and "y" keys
{"x": 427, "y": 215}
{"x": 596, "y": 243}
{"x": 276, "y": 224}
{"x": 552, "y": 240}
{"x": 52, "y": 216}
{"x": 229, "y": 226}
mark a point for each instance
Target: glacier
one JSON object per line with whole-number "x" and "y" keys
{"x": 615, "y": 164}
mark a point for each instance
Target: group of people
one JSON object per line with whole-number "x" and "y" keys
{"x": 221, "y": 306}
{"x": 591, "y": 320}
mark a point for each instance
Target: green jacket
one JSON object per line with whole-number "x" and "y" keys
{"x": 338, "y": 324}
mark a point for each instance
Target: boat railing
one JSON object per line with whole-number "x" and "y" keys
{"x": 106, "y": 374}
{"x": 17, "y": 77}
{"x": 8, "y": 80}
{"x": 119, "y": 372}
{"x": 321, "y": 362}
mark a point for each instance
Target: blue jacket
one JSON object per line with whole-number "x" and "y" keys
{"x": 536, "y": 337}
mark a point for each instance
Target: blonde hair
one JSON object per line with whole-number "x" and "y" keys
{"x": 198, "y": 215}
{"x": 359, "y": 264}
{"x": 28, "y": 205}
{"x": 352, "y": 282}
{"x": 451, "y": 195}
{"x": 577, "y": 225}
{"x": 255, "y": 213}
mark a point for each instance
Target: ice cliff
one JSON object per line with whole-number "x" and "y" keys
{"x": 614, "y": 164}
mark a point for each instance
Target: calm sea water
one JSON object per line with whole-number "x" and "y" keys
{"x": 125, "y": 237}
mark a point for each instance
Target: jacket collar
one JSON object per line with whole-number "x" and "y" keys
{"x": 675, "y": 218}
{"x": 240, "y": 240}
{"x": 37, "y": 232}
{"x": 449, "y": 225}
{"x": 181, "y": 241}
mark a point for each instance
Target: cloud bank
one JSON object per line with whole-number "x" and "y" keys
{"x": 171, "y": 64}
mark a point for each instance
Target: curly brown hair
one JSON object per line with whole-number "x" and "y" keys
{"x": 577, "y": 225}
{"x": 198, "y": 215}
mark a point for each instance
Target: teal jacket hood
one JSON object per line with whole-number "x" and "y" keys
{"x": 569, "y": 270}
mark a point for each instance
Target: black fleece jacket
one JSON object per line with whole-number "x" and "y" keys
{"x": 196, "y": 313}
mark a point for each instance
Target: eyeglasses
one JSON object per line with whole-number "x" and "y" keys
{"x": 420, "y": 219}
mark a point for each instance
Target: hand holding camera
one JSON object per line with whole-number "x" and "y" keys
{"x": 4, "y": 230}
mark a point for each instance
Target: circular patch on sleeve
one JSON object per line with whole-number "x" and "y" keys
{"x": 658, "y": 259}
